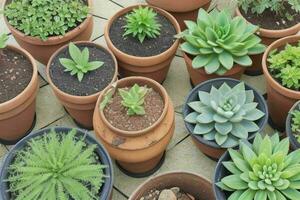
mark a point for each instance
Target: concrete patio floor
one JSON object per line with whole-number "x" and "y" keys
{"x": 182, "y": 154}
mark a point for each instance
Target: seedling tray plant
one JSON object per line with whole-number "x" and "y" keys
{"x": 142, "y": 39}
{"x": 50, "y": 25}
{"x": 134, "y": 119}
{"x": 77, "y": 73}
{"x": 281, "y": 69}
{"x": 293, "y": 126}
{"x": 18, "y": 90}
{"x": 58, "y": 163}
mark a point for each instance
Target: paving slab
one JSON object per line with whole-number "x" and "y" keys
{"x": 126, "y": 3}
{"x": 99, "y": 25}
{"x": 105, "y": 8}
{"x": 180, "y": 132}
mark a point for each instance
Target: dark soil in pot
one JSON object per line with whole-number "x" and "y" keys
{"x": 150, "y": 47}
{"x": 269, "y": 20}
{"x": 15, "y": 74}
{"x": 116, "y": 113}
{"x": 174, "y": 193}
{"x": 293, "y": 140}
{"x": 92, "y": 82}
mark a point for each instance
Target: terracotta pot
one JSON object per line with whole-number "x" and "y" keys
{"x": 190, "y": 183}
{"x": 293, "y": 140}
{"x": 154, "y": 67}
{"x": 211, "y": 148}
{"x": 181, "y": 10}
{"x": 17, "y": 115}
{"x": 268, "y": 37}
{"x": 81, "y": 108}
{"x": 280, "y": 99}
{"x": 42, "y": 50}
{"x": 137, "y": 152}
{"x": 199, "y": 75}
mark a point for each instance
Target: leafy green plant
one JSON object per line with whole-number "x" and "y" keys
{"x": 133, "y": 99}
{"x": 263, "y": 170}
{"x": 142, "y": 23}
{"x": 225, "y": 115}
{"x": 217, "y": 41}
{"x": 79, "y": 63}
{"x": 3, "y": 40}
{"x": 296, "y": 123}
{"x": 45, "y": 18}
{"x": 284, "y": 65}
{"x": 56, "y": 166}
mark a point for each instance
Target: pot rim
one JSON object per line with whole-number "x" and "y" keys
{"x": 34, "y": 77}
{"x": 106, "y": 187}
{"x": 213, "y": 144}
{"x": 293, "y": 141}
{"x": 53, "y": 39}
{"x": 75, "y": 97}
{"x": 149, "y": 81}
{"x": 273, "y": 83}
{"x": 127, "y": 10}
{"x": 273, "y": 33}
{"x": 172, "y": 173}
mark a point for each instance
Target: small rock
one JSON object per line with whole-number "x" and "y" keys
{"x": 167, "y": 195}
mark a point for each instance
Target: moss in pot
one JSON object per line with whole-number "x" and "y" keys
{"x": 293, "y": 126}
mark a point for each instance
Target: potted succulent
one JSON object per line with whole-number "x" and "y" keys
{"x": 174, "y": 185}
{"x": 220, "y": 112}
{"x": 293, "y": 126}
{"x": 58, "y": 163}
{"x": 77, "y": 73}
{"x": 281, "y": 66}
{"x": 18, "y": 90}
{"x": 181, "y": 10}
{"x": 218, "y": 45}
{"x": 134, "y": 119}
{"x": 276, "y": 19}
{"x": 142, "y": 39}
{"x": 49, "y": 25}
{"x": 263, "y": 170}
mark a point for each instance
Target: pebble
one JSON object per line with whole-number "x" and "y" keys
{"x": 167, "y": 195}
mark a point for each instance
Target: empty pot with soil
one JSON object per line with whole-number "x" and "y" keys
{"x": 293, "y": 126}
{"x": 283, "y": 21}
{"x": 174, "y": 186}
{"x": 146, "y": 52}
{"x": 42, "y": 35}
{"x": 282, "y": 77}
{"x": 181, "y": 10}
{"x": 134, "y": 119}
{"x": 18, "y": 89}
{"x": 220, "y": 112}
{"x": 77, "y": 74}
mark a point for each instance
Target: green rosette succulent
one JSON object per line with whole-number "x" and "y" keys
{"x": 225, "y": 115}
{"x": 263, "y": 170}
{"x": 217, "y": 41}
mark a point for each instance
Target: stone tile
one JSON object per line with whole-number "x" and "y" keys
{"x": 105, "y": 8}
{"x": 101, "y": 41}
{"x": 65, "y": 121}
{"x": 99, "y": 25}
{"x": 257, "y": 82}
{"x": 117, "y": 195}
{"x": 177, "y": 82}
{"x": 126, "y": 3}
{"x": 180, "y": 132}
{"x": 3, "y": 151}
{"x": 42, "y": 81}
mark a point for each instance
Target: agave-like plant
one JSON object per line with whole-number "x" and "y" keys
{"x": 217, "y": 41}
{"x": 225, "y": 115}
{"x": 56, "y": 166}
{"x": 263, "y": 170}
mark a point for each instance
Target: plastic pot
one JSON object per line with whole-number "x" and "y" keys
{"x": 293, "y": 140}
{"x": 211, "y": 148}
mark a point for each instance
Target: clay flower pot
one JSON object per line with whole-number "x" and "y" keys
{"x": 211, "y": 148}
{"x": 17, "y": 116}
{"x": 181, "y": 10}
{"x": 199, "y": 75}
{"x": 280, "y": 99}
{"x": 268, "y": 37}
{"x": 81, "y": 108}
{"x": 138, "y": 153}
{"x": 190, "y": 183}
{"x": 293, "y": 140}
{"x": 42, "y": 50}
{"x": 155, "y": 67}
{"x": 107, "y": 187}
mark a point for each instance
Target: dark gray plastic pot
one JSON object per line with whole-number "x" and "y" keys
{"x": 106, "y": 190}
{"x": 293, "y": 140}
{"x": 211, "y": 148}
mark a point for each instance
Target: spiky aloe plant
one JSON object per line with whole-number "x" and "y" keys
{"x": 56, "y": 166}
{"x": 263, "y": 170}
{"x": 217, "y": 41}
{"x": 225, "y": 115}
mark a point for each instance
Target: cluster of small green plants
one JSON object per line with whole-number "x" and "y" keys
{"x": 56, "y": 166}
{"x": 46, "y": 18}
{"x": 296, "y": 123}
{"x": 285, "y": 66}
